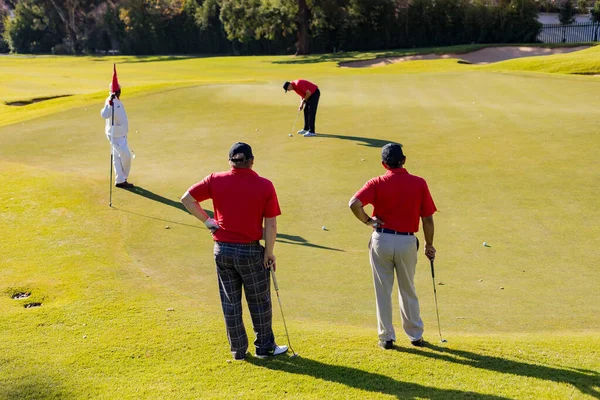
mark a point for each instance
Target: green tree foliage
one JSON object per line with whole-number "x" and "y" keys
{"x": 33, "y": 29}
{"x": 566, "y": 16}
{"x": 4, "y": 13}
{"x": 595, "y": 18}
{"x": 262, "y": 26}
{"x": 566, "y": 12}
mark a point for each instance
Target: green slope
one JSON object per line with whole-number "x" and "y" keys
{"x": 130, "y": 308}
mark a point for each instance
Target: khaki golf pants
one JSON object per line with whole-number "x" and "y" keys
{"x": 395, "y": 254}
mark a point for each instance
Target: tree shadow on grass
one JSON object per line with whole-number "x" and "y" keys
{"x": 588, "y": 382}
{"x": 33, "y": 387}
{"x": 300, "y": 241}
{"x": 146, "y": 59}
{"x": 363, "y": 380}
{"x": 362, "y": 141}
{"x": 319, "y": 58}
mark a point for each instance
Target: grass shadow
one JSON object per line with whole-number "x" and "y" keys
{"x": 156, "y": 197}
{"x": 38, "y": 386}
{"x": 160, "y": 199}
{"x": 314, "y": 59}
{"x": 147, "y": 59}
{"x": 362, "y": 141}
{"x": 156, "y": 218}
{"x": 300, "y": 241}
{"x": 586, "y": 381}
{"x": 363, "y": 380}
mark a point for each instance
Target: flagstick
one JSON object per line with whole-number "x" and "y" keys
{"x": 112, "y": 128}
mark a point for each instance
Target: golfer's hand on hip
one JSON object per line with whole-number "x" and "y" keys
{"x": 270, "y": 262}
{"x": 430, "y": 251}
{"x": 212, "y": 225}
{"x": 375, "y": 222}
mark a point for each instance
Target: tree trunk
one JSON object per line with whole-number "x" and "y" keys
{"x": 303, "y": 21}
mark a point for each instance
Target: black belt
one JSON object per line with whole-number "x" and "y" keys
{"x": 393, "y": 232}
{"x": 254, "y": 243}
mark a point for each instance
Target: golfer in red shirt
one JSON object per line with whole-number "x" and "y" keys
{"x": 242, "y": 200}
{"x": 399, "y": 200}
{"x": 310, "y": 94}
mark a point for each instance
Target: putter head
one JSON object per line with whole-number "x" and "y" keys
{"x": 294, "y": 355}
{"x": 443, "y": 341}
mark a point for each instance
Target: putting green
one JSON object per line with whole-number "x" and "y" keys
{"x": 510, "y": 160}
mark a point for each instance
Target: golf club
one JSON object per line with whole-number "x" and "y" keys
{"x": 294, "y": 354}
{"x": 296, "y": 120}
{"x": 442, "y": 340}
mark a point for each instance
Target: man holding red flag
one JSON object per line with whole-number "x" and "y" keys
{"x": 117, "y": 127}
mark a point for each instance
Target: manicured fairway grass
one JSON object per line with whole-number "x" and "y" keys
{"x": 130, "y": 308}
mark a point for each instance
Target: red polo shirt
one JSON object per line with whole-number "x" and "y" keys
{"x": 241, "y": 199}
{"x": 301, "y": 86}
{"x": 399, "y": 199}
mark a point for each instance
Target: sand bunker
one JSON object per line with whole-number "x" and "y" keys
{"x": 484, "y": 56}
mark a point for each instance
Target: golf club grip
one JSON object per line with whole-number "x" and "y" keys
{"x": 432, "y": 270}
{"x": 274, "y": 280}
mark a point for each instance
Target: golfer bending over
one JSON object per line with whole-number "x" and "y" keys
{"x": 398, "y": 200}
{"x": 241, "y": 200}
{"x": 310, "y": 94}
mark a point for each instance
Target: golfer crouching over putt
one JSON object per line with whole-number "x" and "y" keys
{"x": 241, "y": 201}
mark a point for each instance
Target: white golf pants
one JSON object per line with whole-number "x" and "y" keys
{"x": 395, "y": 254}
{"x": 121, "y": 158}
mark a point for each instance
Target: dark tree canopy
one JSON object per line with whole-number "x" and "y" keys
{"x": 259, "y": 26}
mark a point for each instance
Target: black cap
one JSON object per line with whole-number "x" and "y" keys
{"x": 285, "y": 86}
{"x": 392, "y": 154}
{"x": 240, "y": 148}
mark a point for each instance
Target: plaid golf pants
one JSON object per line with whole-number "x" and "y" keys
{"x": 242, "y": 265}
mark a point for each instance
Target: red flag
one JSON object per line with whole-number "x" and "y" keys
{"x": 114, "y": 86}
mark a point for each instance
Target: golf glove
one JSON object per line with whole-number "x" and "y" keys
{"x": 211, "y": 224}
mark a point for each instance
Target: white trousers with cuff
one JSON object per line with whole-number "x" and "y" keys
{"x": 395, "y": 254}
{"x": 121, "y": 158}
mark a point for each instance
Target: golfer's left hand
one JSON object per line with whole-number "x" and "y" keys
{"x": 430, "y": 252}
{"x": 375, "y": 222}
{"x": 270, "y": 262}
{"x": 212, "y": 225}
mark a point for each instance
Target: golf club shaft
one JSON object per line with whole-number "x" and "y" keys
{"x": 281, "y": 309}
{"x": 295, "y": 120}
{"x": 436, "y": 302}
{"x": 112, "y": 128}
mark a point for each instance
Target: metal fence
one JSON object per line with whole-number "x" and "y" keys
{"x": 573, "y": 33}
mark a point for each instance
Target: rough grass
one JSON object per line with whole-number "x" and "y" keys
{"x": 509, "y": 158}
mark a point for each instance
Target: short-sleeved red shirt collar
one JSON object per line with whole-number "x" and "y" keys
{"x": 241, "y": 199}
{"x": 399, "y": 199}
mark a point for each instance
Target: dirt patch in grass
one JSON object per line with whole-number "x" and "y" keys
{"x": 484, "y": 56}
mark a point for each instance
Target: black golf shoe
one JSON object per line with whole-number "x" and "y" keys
{"x": 386, "y": 344}
{"x": 418, "y": 343}
{"x": 124, "y": 185}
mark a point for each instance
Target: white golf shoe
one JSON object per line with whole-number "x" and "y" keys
{"x": 302, "y": 131}
{"x": 275, "y": 352}
{"x": 310, "y": 134}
